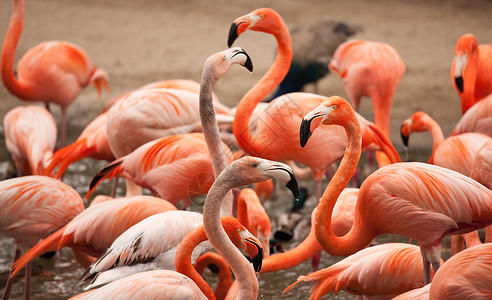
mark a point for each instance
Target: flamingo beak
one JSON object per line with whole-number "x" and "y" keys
{"x": 248, "y": 64}
{"x": 305, "y": 132}
{"x": 233, "y": 34}
{"x": 404, "y": 134}
{"x": 255, "y": 252}
{"x": 459, "y": 83}
{"x": 292, "y": 186}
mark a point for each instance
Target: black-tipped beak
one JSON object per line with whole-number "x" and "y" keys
{"x": 292, "y": 186}
{"x": 404, "y": 138}
{"x": 232, "y": 34}
{"x": 258, "y": 259}
{"x": 305, "y": 132}
{"x": 459, "y": 83}
{"x": 249, "y": 63}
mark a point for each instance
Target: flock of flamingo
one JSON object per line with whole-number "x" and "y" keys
{"x": 175, "y": 139}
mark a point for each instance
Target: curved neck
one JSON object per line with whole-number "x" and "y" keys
{"x": 225, "y": 278}
{"x": 357, "y": 238}
{"x": 257, "y": 93}
{"x": 242, "y": 269}
{"x": 293, "y": 257}
{"x": 211, "y": 131}
{"x": 183, "y": 260}
{"x": 8, "y": 50}
{"x": 469, "y": 80}
{"x": 436, "y": 133}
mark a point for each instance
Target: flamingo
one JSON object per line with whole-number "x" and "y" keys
{"x": 383, "y": 270}
{"x": 471, "y": 70}
{"x": 466, "y": 275}
{"x": 273, "y": 136}
{"x": 476, "y": 119}
{"x": 244, "y": 171}
{"x": 455, "y": 153}
{"x": 252, "y": 214}
{"x": 372, "y": 69}
{"x": 30, "y": 137}
{"x": 92, "y": 142}
{"x": 33, "y": 207}
{"x": 175, "y": 168}
{"x": 50, "y": 72}
{"x": 225, "y": 278}
{"x": 415, "y": 294}
{"x": 417, "y": 200}
{"x": 92, "y": 231}
{"x": 482, "y": 165}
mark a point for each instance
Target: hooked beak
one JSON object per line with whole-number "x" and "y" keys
{"x": 248, "y": 64}
{"x": 255, "y": 252}
{"x": 459, "y": 83}
{"x": 233, "y": 35}
{"x": 291, "y": 182}
{"x": 305, "y": 131}
{"x": 404, "y": 136}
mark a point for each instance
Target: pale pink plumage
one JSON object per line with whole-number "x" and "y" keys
{"x": 477, "y": 118}
{"x": 30, "y": 137}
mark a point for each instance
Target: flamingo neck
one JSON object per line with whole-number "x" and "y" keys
{"x": 8, "y": 51}
{"x": 183, "y": 260}
{"x": 242, "y": 269}
{"x": 260, "y": 90}
{"x": 211, "y": 131}
{"x": 293, "y": 257}
{"x": 357, "y": 238}
{"x": 436, "y": 133}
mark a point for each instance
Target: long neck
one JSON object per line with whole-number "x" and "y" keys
{"x": 242, "y": 269}
{"x": 356, "y": 238}
{"x": 436, "y": 133}
{"x": 267, "y": 83}
{"x": 469, "y": 80}
{"x": 183, "y": 260}
{"x": 225, "y": 278}
{"x": 293, "y": 257}
{"x": 211, "y": 132}
{"x": 8, "y": 50}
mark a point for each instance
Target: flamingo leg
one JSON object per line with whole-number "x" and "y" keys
{"x": 63, "y": 127}
{"x": 27, "y": 288}
{"x": 115, "y": 186}
{"x": 10, "y": 281}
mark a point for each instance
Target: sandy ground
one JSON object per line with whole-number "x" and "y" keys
{"x": 139, "y": 42}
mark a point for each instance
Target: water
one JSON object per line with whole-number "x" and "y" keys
{"x": 61, "y": 272}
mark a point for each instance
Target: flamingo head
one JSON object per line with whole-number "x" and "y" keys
{"x": 466, "y": 46}
{"x": 244, "y": 240}
{"x": 416, "y": 123}
{"x": 262, "y": 19}
{"x": 333, "y": 111}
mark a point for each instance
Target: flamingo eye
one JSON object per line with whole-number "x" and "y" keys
{"x": 254, "y": 165}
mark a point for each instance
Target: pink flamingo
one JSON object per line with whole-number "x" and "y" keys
{"x": 476, "y": 119}
{"x": 471, "y": 70}
{"x": 33, "y": 207}
{"x": 417, "y": 200}
{"x": 383, "y": 270}
{"x": 225, "y": 277}
{"x": 273, "y": 136}
{"x": 30, "y": 137}
{"x": 466, "y": 275}
{"x": 53, "y": 71}
{"x": 372, "y": 69}
{"x": 415, "y": 294}
{"x": 92, "y": 142}
{"x": 482, "y": 165}
{"x": 92, "y": 231}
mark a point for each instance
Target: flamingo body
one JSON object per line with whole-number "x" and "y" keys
{"x": 30, "y": 137}
{"x": 477, "y": 118}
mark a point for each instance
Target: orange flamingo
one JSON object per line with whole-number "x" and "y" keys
{"x": 415, "y": 294}
{"x": 466, "y": 275}
{"x": 33, "y": 207}
{"x": 273, "y": 136}
{"x": 237, "y": 233}
{"x": 30, "y": 137}
{"x": 383, "y": 270}
{"x": 92, "y": 231}
{"x": 417, "y": 200}
{"x": 372, "y": 69}
{"x": 176, "y": 168}
{"x": 53, "y": 71}
{"x": 225, "y": 277}
{"x": 92, "y": 142}
{"x": 471, "y": 70}
{"x": 476, "y": 119}
{"x": 252, "y": 214}
{"x": 244, "y": 171}
{"x": 455, "y": 153}
{"x": 482, "y": 165}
